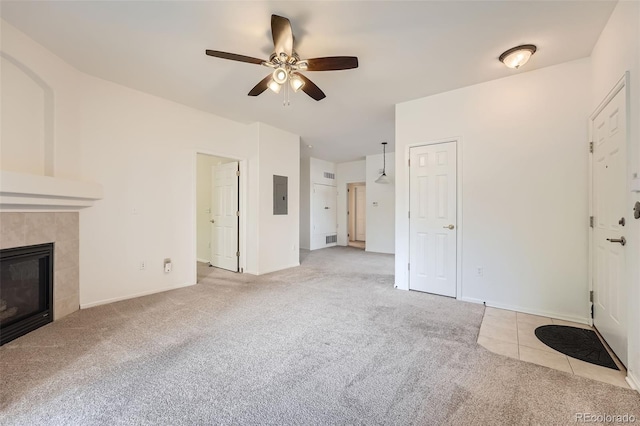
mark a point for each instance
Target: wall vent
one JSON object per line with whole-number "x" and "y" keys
{"x": 328, "y": 175}
{"x": 331, "y": 239}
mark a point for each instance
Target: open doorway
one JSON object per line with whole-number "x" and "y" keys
{"x": 357, "y": 215}
{"x": 217, "y": 217}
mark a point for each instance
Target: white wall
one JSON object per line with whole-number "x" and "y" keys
{"x": 305, "y": 203}
{"x": 278, "y": 235}
{"x": 142, "y": 149}
{"x": 203, "y": 203}
{"x": 618, "y": 51}
{"x": 524, "y": 186}
{"x": 380, "y": 217}
{"x": 350, "y": 172}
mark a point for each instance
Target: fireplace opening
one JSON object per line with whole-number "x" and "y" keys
{"x": 26, "y": 290}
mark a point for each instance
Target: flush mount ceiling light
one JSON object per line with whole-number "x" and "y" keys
{"x": 383, "y": 177}
{"x": 518, "y": 56}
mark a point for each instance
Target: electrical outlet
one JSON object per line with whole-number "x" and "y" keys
{"x": 480, "y": 271}
{"x": 143, "y": 265}
{"x": 168, "y": 266}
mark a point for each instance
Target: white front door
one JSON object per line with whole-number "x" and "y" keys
{"x": 224, "y": 216}
{"x": 361, "y": 212}
{"x": 432, "y": 219}
{"x": 609, "y": 191}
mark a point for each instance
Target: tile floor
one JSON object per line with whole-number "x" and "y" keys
{"x": 511, "y": 334}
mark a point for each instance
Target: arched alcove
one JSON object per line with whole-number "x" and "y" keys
{"x": 27, "y": 136}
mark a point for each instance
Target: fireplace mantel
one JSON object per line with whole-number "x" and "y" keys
{"x": 20, "y": 191}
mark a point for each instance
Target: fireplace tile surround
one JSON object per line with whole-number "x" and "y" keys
{"x": 19, "y": 229}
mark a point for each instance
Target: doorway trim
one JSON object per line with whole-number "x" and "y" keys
{"x": 622, "y": 84}
{"x": 349, "y": 212}
{"x": 459, "y": 224}
{"x": 242, "y": 200}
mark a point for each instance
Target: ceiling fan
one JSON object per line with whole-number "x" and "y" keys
{"x": 287, "y": 65}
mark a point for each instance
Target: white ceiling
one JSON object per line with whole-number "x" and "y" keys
{"x": 406, "y": 50}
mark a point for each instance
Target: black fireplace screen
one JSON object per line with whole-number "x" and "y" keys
{"x": 26, "y": 290}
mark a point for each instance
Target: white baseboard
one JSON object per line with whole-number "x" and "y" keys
{"x": 202, "y": 260}
{"x": 633, "y": 381}
{"x": 539, "y": 312}
{"x": 268, "y": 271}
{"x": 131, "y": 296}
{"x": 471, "y": 300}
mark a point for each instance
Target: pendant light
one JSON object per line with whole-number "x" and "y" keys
{"x": 383, "y": 177}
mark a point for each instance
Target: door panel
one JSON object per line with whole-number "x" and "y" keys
{"x": 609, "y": 194}
{"x": 324, "y": 202}
{"x": 432, "y": 245}
{"x": 224, "y": 226}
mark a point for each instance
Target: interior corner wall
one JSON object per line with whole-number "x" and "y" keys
{"x": 204, "y": 163}
{"x": 349, "y": 172}
{"x": 616, "y": 52}
{"x": 279, "y": 235}
{"x": 523, "y": 177}
{"x": 142, "y": 149}
{"x": 381, "y": 203}
{"x": 305, "y": 204}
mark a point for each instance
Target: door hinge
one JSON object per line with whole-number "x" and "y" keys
{"x": 237, "y": 254}
{"x": 408, "y": 266}
{"x": 409, "y": 162}
{"x": 591, "y": 221}
{"x": 591, "y": 147}
{"x": 409, "y": 215}
{"x": 237, "y": 172}
{"x": 591, "y": 296}
{"x": 238, "y": 213}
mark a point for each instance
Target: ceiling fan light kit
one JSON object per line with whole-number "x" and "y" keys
{"x": 518, "y": 56}
{"x": 286, "y": 63}
{"x": 384, "y": 179}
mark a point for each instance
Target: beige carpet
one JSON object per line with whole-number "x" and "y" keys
{"x": 330, "y": 342}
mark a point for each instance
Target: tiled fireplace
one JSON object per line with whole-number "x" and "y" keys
{"x": 19, "y": 229}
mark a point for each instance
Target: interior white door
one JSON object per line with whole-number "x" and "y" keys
{"x": 609, "y": 190}
{"x": 324, "y": 205}
{"x": 224, "y": 216}
{"x": 432, "y": 219}
{"x": 361, "y": 212}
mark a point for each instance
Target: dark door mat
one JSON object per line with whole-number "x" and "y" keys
{"x": 577, "y": 343}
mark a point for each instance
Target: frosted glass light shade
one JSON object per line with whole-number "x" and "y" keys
{"x": 280, "y": 75}
{"x": 274, "y": 86}
{"x": 518, "y": 56}
{"x": 296, "y": 82}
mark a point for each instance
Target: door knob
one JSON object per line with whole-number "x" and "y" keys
{"x": 212, "y": 221}
{"x": 449, "y": 227}
{"x": 621, "y": 240}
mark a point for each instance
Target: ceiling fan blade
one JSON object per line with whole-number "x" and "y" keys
{"x": 234, "y": 57}
{"x": 332, "y": 63}
{"x": 260, "y": 87}
{"x": 282, "y": 35}
{"x": 311, "y": 89}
